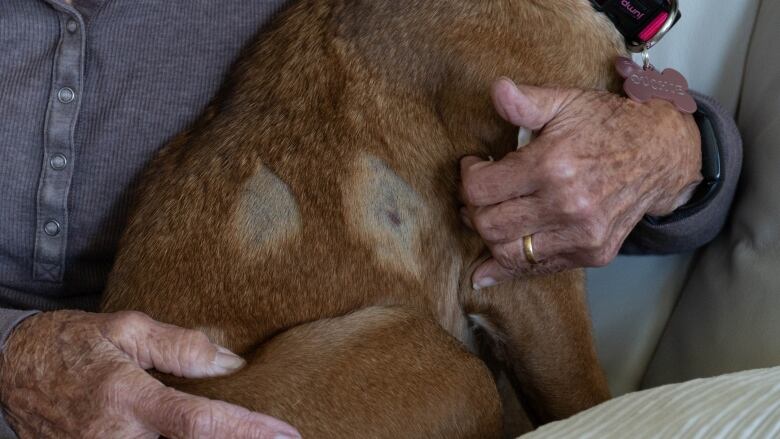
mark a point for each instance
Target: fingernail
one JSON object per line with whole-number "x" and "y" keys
{"x": 286, "y": 436}
{"x": 509, "y": 80}
{"x": 228, "y": 360}
{"x": 474, "y": 162}
{"x": 224, "y": 350}
{"x": 485, "y": 282}
{"x": 467, "y": 221}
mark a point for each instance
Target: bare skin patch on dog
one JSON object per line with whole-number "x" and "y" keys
{"x": 385, "y": 211}
{"x": 267, "y": 211}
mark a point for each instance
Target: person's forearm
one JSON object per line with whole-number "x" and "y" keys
{"x": 691, "y": 228}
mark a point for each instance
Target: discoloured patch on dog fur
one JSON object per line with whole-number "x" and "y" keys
{"x": 267, "y": 212}
{"x": 386, "y": 213}
{"x": 398, "y": 91}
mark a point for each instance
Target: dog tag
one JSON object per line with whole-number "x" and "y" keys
{"x": 643, "y": 84}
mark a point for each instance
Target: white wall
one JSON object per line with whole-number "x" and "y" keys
{"x": 709, "y": 46}
{"x": 631, "y": 300}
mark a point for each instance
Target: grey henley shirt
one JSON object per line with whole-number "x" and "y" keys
{"x": 89, "y": 93}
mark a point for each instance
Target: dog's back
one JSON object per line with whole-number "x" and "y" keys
{"x": 322, "y": 181}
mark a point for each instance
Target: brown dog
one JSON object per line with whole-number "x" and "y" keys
{"x": 309, "y": 220}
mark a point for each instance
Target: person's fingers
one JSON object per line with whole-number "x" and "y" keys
{"x": 469, "y": 166}
{"x": 512, "y": 220}
{"x": 545, "y": 246}
{"x": 466, "y": 218}
{"x": 170, "y": 349}
{"x": 515, "y": 175}
{"x": 484, "y": 183}
{"x": 509, "y": 260}
{"x": 492, "y": 273}
{"x": 528, "y": 106}
{"x": 175, "y": 414}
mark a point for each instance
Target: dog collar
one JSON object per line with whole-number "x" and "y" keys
{"x": 642, "y": 22}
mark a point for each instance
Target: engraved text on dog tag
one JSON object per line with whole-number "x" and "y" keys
{"x": 644, "y": 84}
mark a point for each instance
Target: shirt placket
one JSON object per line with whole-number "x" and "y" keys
{"x": 51, "y": 236}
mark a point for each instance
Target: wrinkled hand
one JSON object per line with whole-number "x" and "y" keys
{"x": 599, "y": 164}
{"x": 71, "y": 374}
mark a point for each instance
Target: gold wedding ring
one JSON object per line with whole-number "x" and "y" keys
{"x": 528, "y": 248}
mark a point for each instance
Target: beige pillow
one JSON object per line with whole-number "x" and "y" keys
{"x": 728, "y": 317}
{"x": 743, "y": 405}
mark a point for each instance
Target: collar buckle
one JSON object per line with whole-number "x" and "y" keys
{"x": 643, "y": 23}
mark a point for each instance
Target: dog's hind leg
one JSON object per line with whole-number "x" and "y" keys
{"x": 380, "y": 372}
{"x": 541, "y": 329}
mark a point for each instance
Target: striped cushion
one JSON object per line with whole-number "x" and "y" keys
{"x": 740, "y": 405}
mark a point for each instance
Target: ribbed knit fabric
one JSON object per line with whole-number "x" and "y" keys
{"x": 149, "y": 69}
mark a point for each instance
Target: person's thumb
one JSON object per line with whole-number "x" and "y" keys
{"x": 527, "y": 106}
{"x": 170, "y": 349}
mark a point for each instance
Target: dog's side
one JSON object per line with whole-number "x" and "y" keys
{"x": 309, "y": 220}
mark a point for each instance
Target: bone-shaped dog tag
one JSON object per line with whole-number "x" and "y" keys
{"x": 644, "y": 84}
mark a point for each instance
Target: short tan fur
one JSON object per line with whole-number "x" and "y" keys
{"x": 308, "y": 220}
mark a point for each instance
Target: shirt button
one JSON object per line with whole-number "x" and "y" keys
{"x": 66, "y": 95}
{"x": 58, "y": 162}
{"x": 52, "y": 228}
{"x": 72, "y": 26}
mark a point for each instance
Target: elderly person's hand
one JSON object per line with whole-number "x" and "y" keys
{"x": 600, "y": 163}
{"x": 79, "y": 375}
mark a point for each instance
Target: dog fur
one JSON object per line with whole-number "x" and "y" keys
{"x": 308, "y": 220}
